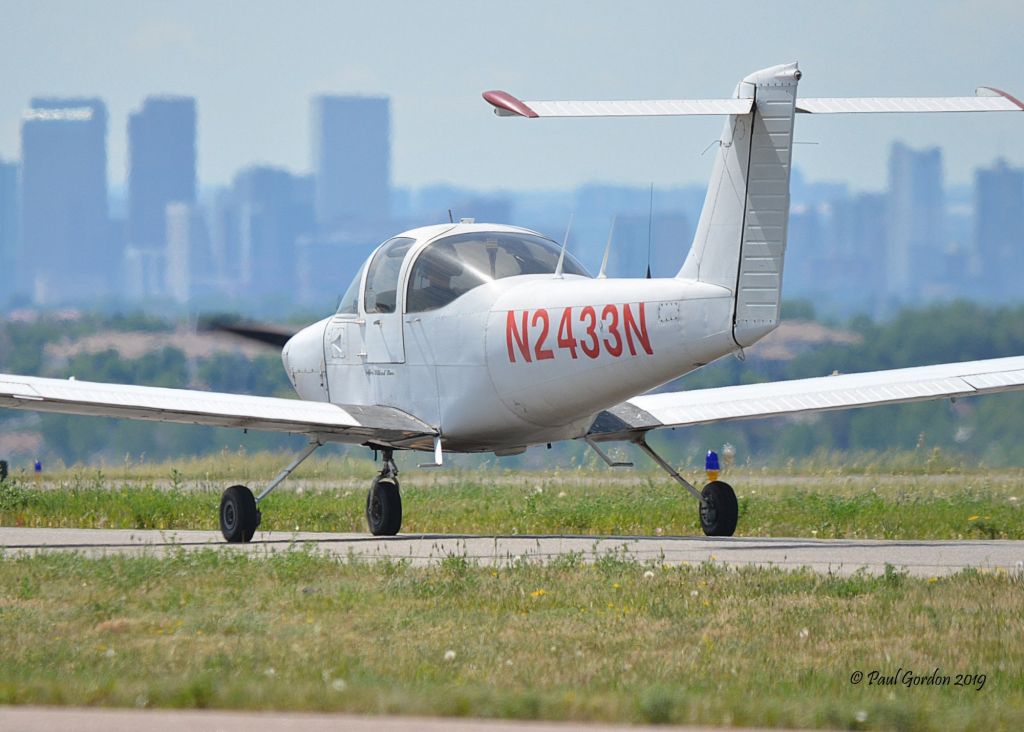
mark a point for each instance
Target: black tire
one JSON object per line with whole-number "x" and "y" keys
{"x": 239, "y": 516}
{"x": 384, "y": 507}
{"x": 718, "y": 509}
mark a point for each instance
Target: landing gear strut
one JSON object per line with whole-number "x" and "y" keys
{"x": 239, "y": 516}
{"x": 384, "y": 502}
{"x": 719, "y": 510}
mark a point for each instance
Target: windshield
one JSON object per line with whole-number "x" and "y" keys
{"x": 349, "y": 303}
{"x": 450, "y": 267}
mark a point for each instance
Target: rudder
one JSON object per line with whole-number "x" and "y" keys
{"x": 740, "y": 242}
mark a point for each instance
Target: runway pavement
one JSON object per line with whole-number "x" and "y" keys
{"x": 55, "y": 719}
{"x": 837, "y": 556}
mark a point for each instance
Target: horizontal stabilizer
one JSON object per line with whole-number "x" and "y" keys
{"x": 988, "y": 100}
{"x": 506, "y": 105}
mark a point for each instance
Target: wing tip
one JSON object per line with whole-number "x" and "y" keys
{"x": 992, "y": 91}
{"x": 507, "y": 105}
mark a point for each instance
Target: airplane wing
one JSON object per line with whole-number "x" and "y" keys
{"x": 326, "y": 422}
{"x": 633, "y": 418}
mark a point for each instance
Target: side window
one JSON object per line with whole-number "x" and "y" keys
{"x": 349, "y": 303}
{"x": 438, "y": 277}
{"x": 382, "y": 277}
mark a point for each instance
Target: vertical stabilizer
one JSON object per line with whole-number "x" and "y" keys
{"x": 741, "y": 237}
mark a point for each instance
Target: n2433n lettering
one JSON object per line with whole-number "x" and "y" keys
{"x": 535, "y": 335}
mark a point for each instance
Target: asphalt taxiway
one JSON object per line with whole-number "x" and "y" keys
{"x": 837, "y": 556}
{"x": 56, "y": 719}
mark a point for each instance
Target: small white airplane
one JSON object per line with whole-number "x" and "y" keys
{"x": 485, "y": 338}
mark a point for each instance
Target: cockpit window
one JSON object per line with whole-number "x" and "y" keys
{"x": 349, "y": 303}
{"x": 451, "y": 267}
{"x": 382, "y": 277}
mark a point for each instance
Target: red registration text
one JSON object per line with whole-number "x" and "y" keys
{"x": 535, "y": 335}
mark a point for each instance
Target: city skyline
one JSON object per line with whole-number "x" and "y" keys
{"x": 254, "y": 73}
{"x": 274, "y": 239}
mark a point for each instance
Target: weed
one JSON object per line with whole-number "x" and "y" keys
{"x": 856, "y": 501}
{"x": 300, "y": 630}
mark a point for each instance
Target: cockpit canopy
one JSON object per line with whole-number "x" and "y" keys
{"x": 450, "y": 267}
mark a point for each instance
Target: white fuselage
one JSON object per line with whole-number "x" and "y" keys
{"x": 518, "y": 361}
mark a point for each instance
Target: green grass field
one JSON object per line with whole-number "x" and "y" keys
{"x": 615, "y": 640}
{"x": 894, "y": 499}
{"x": 611, "y": 640}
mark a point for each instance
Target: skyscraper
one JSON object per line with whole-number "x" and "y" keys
{"x": 161, "y": 171}
{"x": 10, "y": 234}
{"x": 273, "y": 208}
{"x": 351, "y": 159}
{"x": 161, "y": 165}
{"x": 65, "y": 227}
{"x": 916, "y": 243}
{"x": 999, "y": 229}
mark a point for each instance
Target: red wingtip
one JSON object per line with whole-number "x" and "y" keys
{"x": 507, "y": 102}
{"x": 1001, "y": 93}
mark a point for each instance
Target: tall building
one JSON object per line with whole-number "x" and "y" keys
{"x": 225, "y": 255}
{"x": 10, "y": 234}
{"x": 351, "y": 159}
{"x": 161, "y": 171}
{"x": 916, "y": 241}
{"x": 273, "y": 208}
{"x": 65, "y": 228}
{"x": 999, "y": 230}
{"x": 161, "y": 165}
{"x": 852, "y": 275}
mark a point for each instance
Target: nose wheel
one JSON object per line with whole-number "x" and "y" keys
{"x": 384, "y": 502}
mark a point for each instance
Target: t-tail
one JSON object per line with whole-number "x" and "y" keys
{"x": 740, "y": 243}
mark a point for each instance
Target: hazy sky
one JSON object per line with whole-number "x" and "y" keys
{"x": 253, "y": 66}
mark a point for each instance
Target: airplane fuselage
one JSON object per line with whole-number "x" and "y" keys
{"x": 516, "y": 361}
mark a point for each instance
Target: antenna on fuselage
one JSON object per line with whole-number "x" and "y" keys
{"x": 565, "y": 243}
{"x": 607, "y": 250}
{"x": 451, "y": 217}
{"x": 650, "y": 220}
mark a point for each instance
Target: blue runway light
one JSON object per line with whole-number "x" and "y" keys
{"x": 711, "y": 467}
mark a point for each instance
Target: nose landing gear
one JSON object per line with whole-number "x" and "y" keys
{"x": 384, "y": 502}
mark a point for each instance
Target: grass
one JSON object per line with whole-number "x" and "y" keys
{"x": 613, "y": 640}
{"x": 853, "y": 500}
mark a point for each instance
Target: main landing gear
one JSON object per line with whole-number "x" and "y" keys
{"x": 718, "y": 508}
{"x": 240, "y": 517}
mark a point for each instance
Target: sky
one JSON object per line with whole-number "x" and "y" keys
{"x": 254, "y": 65}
